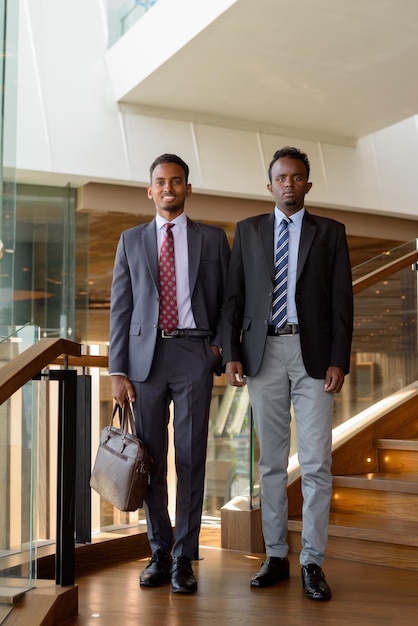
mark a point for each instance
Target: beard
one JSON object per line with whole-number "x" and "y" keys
{"x": 172, "y": 208}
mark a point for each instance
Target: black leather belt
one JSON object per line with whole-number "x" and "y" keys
{"x": 289, "y": 329}
{"x": 184, "y": 332}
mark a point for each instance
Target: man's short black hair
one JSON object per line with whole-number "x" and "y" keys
{"x": 290, "y": 153}
{"x": 170, "y": 158}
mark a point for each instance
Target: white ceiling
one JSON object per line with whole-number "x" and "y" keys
{"x": 331, "y": 70}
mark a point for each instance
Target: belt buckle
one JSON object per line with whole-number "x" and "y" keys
{"x": 165, "y": 335}
{"x": 286, "y": 330}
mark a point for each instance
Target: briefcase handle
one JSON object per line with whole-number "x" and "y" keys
{"x": 126, "y": 418}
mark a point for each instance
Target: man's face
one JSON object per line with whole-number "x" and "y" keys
{"x": 168, "y": 190}
{"x": 289, "y": 184}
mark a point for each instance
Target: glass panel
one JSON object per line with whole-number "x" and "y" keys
{"x": 44, "y": 260}
{"x": 384, "y": 351}
{"x": 13, "y": 340}
{"x": 8, "y": 109}
{"x": 16, "y": 558}
{"x": 122, "y": 14}
{"x": 82, "y": 279}
{"x": 229, "y": 448}
{"x": 18, "y": 474}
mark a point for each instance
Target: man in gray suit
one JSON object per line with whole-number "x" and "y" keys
{"x": 153, "y": 364}
{"x": 292, "y": 340}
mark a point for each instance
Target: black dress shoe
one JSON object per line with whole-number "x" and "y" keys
{"x": 272, "y": 570}
{"x": 314, "y": 584}
{"x": 157, "y": 572}
{"x": 182, "y": 577}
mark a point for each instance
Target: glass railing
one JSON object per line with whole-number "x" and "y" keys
{"x": 229, "y": 451}
{"x": 15, "y": 339}
{"x": 384, "y": 350}
{"x": 125, "y": 15}
{"x": 383, "y": 259}
{"x": 18, "y": 474}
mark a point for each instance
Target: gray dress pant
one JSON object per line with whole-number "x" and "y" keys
{"x": 283, "y": 380}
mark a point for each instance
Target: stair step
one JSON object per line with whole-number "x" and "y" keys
{"x": 388, "y": 495}
{"x": 397, "y": 460}
{"x": 368, "y": 528}
{"x": 396, "y": 444}
{"x": 374, "y": 528}
{"x": 380, "y": 481}
{"x": 366, "y": 539}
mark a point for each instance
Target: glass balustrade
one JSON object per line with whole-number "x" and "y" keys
{"x": 18, "y": 474}
{"x": 383, "y": 259}
{"x": 122, "y": 14}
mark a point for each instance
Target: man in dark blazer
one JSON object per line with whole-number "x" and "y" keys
{"x": 152, "y": 366}
{"x": 301, "y": 361}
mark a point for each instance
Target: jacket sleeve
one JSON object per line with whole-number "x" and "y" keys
{"x": 120, "y": 311}
{"x": 342, "y": 304}
{"x": 233, "y": 305}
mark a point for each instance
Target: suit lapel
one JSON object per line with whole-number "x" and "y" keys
{"x": 194, "y": 251}
{"x": 267, "y": 242}
{"x": 150, "y": 249}
{"x": 306, "y": 238}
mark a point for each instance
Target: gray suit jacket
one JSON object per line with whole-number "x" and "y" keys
{"x": 324, "y": 297}
{"x": 135, "y": 293}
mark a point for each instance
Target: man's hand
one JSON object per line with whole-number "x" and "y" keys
{"x": 122, "y": 389}
{"x": 235, "y": 373}
{"x": 334, "y": 379}
{"x": 216, "y": 351}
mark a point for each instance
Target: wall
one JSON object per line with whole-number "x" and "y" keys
{"x": 71, "y": 129}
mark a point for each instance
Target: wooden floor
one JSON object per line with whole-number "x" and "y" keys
{"x": 363, "y": 595}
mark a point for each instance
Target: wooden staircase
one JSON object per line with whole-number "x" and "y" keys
{"x": 374, "y": 516}
{"x": 378, "y": 512}
{"x": 374, "y": 508}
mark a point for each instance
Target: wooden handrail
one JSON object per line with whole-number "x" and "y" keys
{"x": 384, "y": 272}
{"x": 84, "y": 360}
{"x": 22, "y": 368}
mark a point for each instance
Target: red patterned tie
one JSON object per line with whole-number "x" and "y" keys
{"x": 169, "y": 315}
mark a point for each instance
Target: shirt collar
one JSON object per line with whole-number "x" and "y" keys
{"x": 180, "y": 220}
{"x": 296, "y": 217}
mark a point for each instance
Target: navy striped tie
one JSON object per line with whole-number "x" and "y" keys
{"x": 279, "y": 312}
